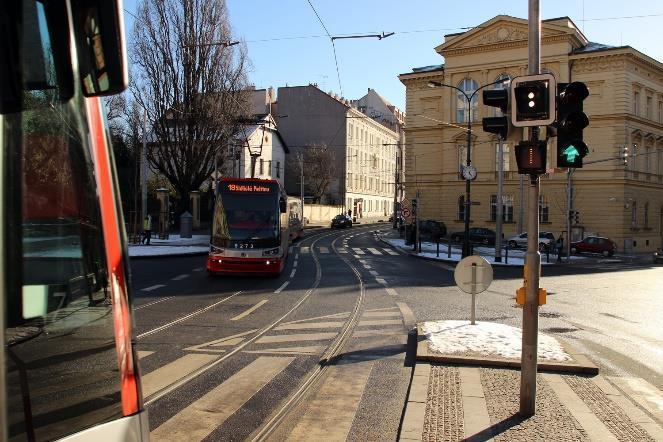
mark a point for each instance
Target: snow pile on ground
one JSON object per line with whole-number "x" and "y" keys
{"x": 166, "y": 250}
{"x": 487, "y": 339}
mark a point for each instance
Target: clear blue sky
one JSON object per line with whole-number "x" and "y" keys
{"x": 288, "y": 45}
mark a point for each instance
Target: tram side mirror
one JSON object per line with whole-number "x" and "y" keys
{"x": 99, "y": 35}
{"x": 282, "y": 205}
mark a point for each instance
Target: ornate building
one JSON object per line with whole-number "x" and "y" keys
{"x": 625, "y": 108}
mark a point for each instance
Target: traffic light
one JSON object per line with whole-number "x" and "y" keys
{"x": 531, "y": 157}
{"x": 574, "y": 216}
{"x": 532, "y": 100}
{"x": 571, "y": 121}
{"x": 497, "y": 98}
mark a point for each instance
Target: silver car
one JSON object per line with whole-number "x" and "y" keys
{"x": 546, "y": 240}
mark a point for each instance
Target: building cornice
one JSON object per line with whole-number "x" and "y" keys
{"x": 513, "y": 44}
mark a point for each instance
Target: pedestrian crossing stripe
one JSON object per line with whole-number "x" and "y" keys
{"x": 355, "y": 250}
{"x": 358, "y": 251}
{"x": 374, "y": 251}
{"x": 305, "y": 350}
{"x": 223, "y": 342}
{"x": 324, "y": 250}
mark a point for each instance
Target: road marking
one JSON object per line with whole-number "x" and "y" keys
{"x": 310, "y": 325}
{"x": 296, "y": 337}
{"x": 390, "y": 251}
{"x": 153, "y": 302}
{"x": 199, "y": 269}
{"x": 184, "y": 318}
{"x": 296, "y": 256}
{"x": 334, "y": 316}
{"x": 373, "y": 272}
{"x": 408, "y": 316}
{"x": 249, "y": 311}
{"x": 305, "y": 250}
{"x": 162, "y": 377}
{"x": 367, "y": 323}
{"x": 200, "y": 418}
{"x": 223, "y": 342}
{"x": 642, "y": 392}
{"x": 381, "y": 332}
{"x": 342, "y": 250}
{"x": 180, "y": 277}
{"x": 285, "y": 284}
{"x": 366, "y": 266}
{"x": 144, "y": 353}
{"x": 381, "y": 281}
{"x": 305, "y": 350}
{"x": 292, "y": 274}
{"x": 345, "y": 385}
{"x": 153, "y": 287}
{"x": 390, "y": 314}
{"x": 358, "y": 251}
{"x": 324, "y": 250}
{"x": 374, "y": 251}
{"x": 391, "y": 291}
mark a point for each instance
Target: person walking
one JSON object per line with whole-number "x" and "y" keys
{"x": 147, "y": 229}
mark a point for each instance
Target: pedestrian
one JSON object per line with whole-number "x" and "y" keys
{"x": 350, "y": 213}
{"x": 560, "y": 245}
{"x": 147, "y": 229}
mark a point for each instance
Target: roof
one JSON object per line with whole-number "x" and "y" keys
{"x": 433, "y": 67}
{"x": 594, "y": 47}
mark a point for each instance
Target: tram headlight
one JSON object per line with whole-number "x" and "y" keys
{"x": 272, "y": 252}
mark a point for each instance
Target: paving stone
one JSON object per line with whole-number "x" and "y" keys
{"x": 444, "y": 411}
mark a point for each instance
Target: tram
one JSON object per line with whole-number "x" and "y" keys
{"x": 250, "y": 228}
{"x": 68, "y": 370}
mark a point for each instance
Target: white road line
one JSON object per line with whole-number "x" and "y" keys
{"x": 180, "y": 277}
{"x": 199, "y": 419}
{"x": 374, "y": 251}
{"x": 310, "y": 325}
{"x": 408, "y": 317}
{"x": 153, "y": 287}
{"x": 342, "y": 250}
{"x": 249, "y": 311}
{"x": 199, "y": 269}
{"x": 144, "y": 353}
{"x": 358, "y": 251}
{"x": 292, "y": 274}
{"x": 296, "y": 256}
{"x": 153, "y": 302}
{"x": 305, "y": 250}
{"x": 381, "y": 281}
{"x": 373, "y": 272}
{"x": 296, "y": 337}
{"x": 184, "y": 318}
{"x": 391, "y": 291}
{"x": 162, "y": 377}
{"x": 294, "y": 264}
{"x": 390, "y": 251}
{"x": 285, "y": 284}
{"x": 324, "y": 249}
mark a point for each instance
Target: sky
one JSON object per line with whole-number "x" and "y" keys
{"x": 288, "y": 45}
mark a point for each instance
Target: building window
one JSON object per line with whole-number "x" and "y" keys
{"x": 660, "y": 112}
{"x": 505, "y": 157}
{"x": 634, "y": 154}
{"x": 278, "y": 169}
{"x": 262, "y": 163}
{"x": 468, "y": 86}
{"x": 461, "y": 208}
{"x": 648, "y": 109}
{"x": 349, "y": 179}
{"x": 636, "y": 103}
{"x": 646, "y": 216}
{"x": 507, "y": 208}
{"x": 634, "y": 214}
{"x": 647, "y": 158}
{"x": 544, "y": 211}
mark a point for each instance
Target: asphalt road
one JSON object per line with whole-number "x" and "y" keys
{"x": 222, "y": 357}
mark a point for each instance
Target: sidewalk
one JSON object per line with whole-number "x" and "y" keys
{"x": 472, "y": 392}
{"x": 173, "y": 246}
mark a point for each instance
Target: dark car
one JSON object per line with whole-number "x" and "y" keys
{"x": 594, "y": 244}
{"x": 479, "y": 235}
{"x": 658, "y": 256}
{"x": 341, "y": 222}
{"x": 431, "y": 229}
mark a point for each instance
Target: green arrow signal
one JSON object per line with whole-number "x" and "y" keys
{"x": 571, "y": 153}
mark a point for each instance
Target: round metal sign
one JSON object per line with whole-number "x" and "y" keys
{"x": 473, "y": 274}
{"x": 405, "y": 212}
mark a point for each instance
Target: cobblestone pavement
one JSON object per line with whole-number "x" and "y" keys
{"x": 552, "y": 422}
{"x": 606, "y": 410}
{"x": 444, "y": 410}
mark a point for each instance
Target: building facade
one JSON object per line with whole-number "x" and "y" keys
{"x": 625, "y": 109}
{"x": 364, "y": 150}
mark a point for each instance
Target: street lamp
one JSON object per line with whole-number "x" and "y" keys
{"x": 469, "y": 172}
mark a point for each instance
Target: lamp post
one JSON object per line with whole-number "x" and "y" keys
{"x": 469, "y": 176}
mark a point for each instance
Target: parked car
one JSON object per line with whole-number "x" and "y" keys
{"x": 341, "y": 221}
{"x": 594, "y": 244}
{"x": 431, "y": 229}
{"x": 658, "y": 256}
{"x": 546, "y": 239}
{"x": 477, "y": 235}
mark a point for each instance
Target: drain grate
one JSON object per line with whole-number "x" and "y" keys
{"x": 560, "y": 329}
{"x": 550, "y": 315}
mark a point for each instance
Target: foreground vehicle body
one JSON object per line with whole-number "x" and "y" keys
{"x": 251, "y": 227}
{"x": 69, "y": 366}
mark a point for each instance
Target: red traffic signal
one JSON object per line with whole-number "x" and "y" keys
{"x": 531, "y": 157}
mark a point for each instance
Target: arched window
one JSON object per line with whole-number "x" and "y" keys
{"x": 468, "y": 86}
{"x": 461, "y": 207}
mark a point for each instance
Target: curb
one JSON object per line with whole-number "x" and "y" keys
{"x": 582, "y": 363}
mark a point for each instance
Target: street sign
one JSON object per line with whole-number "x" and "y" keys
{"x": 405, "y": 212}
{"x": 473, "y": 274}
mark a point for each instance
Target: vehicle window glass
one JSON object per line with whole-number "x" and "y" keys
{"x": 62, "y": 370}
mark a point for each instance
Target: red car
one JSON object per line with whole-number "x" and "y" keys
{"x": 594, "y": 244}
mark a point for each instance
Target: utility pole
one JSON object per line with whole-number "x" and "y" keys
{"x": 143, "y": 170}
{"x": 500, "y": 215}
{"x": 521, "y": 208}
{"x": 301, "y": 182}
{"x": 396, "y": 172}
{"x": 528, "y": 364}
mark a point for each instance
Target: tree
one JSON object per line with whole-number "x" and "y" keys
{"x": 319, "y": 170}
{"x": 192, "y": 83}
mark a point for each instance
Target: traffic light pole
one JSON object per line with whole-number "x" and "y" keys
{"x": 528, "y": 365}
{"x": 499, "y": 214}
{"x": 569, "y": 207}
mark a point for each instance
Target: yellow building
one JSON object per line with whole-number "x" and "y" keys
{"x": 625, "y": 108}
